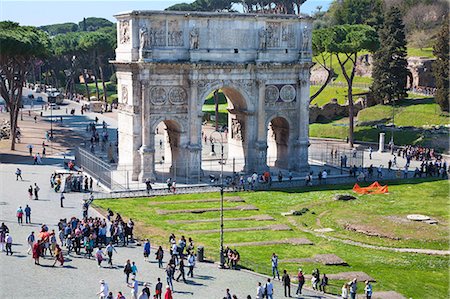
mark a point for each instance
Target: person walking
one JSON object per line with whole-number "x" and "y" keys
{"x": 37, "y": 250}
{"x": 227, "y": 294}
{"x": 286, "y": 283}
{"x": 127, "y": 270}
{"x": 134, "y": 286}
{"x": 19, "y": 174}
{"x": 19, "y": 214}
{"x": 181, "y": 269}
{"x": 109, "y": 250}
{"x": 191, "y": 264}
{"x": 323, "y": 283}
{"x": 36, "y": 191}
{"x": 61, "y": 199}
{"x": 259, "y": 291}
{"x": 27, "y": 214}
{"x": 168, "y": 294}
{"x": 368, "y": 290}
{"x": 269, "y": 289}
{"x": 8, "y": 240}
{"x": 301, "y": 281}
{"x": 169, "y": 274}
{"x": 158, "y": 289}
{"x": 104, "y": 290}
{"x": 30, "y": 192}
{"x": 99, "y": 256}
{"x": 134, "y": 269}
{"x": 30, "y": 241}
{"x": 58, "y": 255}
{"x": 148, "y": 185}
{"x": 275, "y": 266}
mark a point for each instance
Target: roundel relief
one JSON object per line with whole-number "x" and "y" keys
{"x": 158, "y": 95}
{"x": 177, "y": 96}
{"x": 287, "y": 93}
{"x": 272, "y": 93}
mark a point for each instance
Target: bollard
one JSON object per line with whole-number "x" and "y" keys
{"x": 200, "y": 253}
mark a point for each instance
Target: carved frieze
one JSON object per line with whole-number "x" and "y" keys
{"x": 287, "y": 93}
{"x": 175, "y": 34}
{"x": 306, "y": 38}
{"x": 193, "y": 38}
{"x": 124, "y": 29}
{"x": 158, "y": 95}
{"x": 280, "y": 93}
{"x": 273, "y": 34}
{"x": 237, "y": 129}
{"x": 272, "y": 93}
{"x": 124, "y": 94}
{"x": 177, "y": 96}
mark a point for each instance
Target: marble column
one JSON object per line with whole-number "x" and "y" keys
{"x": 147, "y": 149}
{"x": 261, "y": 143}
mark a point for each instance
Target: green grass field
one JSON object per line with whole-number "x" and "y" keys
{"x": 425, "y": 52}
{"x": 331, "y": 92}
{"x": 384, "y": 214}
{"x": 111, "y": 90}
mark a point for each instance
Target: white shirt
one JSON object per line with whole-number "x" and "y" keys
{"x": 104, "y": 290}
{"x": 8, "y": 239}
{"x": 344, "y": 294}
{"x": 135, "y": 287}
{"x": 259, "y": 292}
{"x": 324, "y": 174}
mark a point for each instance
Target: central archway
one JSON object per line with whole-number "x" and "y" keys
{"x": 232, "y": 125}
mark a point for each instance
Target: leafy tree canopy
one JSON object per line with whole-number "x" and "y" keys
{"x": 59, "y": 28}
{"x": 203, "y": 5}
{"x": 350, "y": 39}
{"x": 369, "y": 12}
{"x": 93, "y": 24}
{"x": 22, "y": 41}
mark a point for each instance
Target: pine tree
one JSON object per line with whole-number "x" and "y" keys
{"x": 440, "y": 67}
{"x": 390, "y": 65}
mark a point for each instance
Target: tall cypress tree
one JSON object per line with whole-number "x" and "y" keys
{"x": 390, "y": 65}
{"x": 440, "y": 67}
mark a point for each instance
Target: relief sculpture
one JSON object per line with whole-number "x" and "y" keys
{"x": 194, "y": 38}
{"x": 175, "y": 35}
{"x": 143, "y": 38}
{"x": 237, "y": 131}
{"x": 306, "y": 39}
{"x": 124, "y": 28}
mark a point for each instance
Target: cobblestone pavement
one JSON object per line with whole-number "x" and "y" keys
{"x": 79, "y": 278}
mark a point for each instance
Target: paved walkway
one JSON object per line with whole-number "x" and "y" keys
{"x": 20, "y": 278}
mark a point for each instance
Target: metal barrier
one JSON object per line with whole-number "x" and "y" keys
{"x": 94, "y": 166}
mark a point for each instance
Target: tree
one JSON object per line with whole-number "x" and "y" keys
{"x": 55, "y": 29}
{"x": 345, "y": 41}
{"x": 419, "y": 39}
{"x": 352, "y": 12}
{"x": 203, "y": 5}
{"x": 18, "y": 46}
{"x": 390, "y": 65}
{"x": 93, "y": 24}
{"x": 322, "y": 57}
{"x": 440, "y": 67}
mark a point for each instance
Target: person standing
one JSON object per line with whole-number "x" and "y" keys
{"x": 61, "y": 199}
{"x": 286, "y": 283}
{"x": 148, "y": 185}
{"x": 191, "y": 264}
{"x": 109, "y": 250}
{"x": 36, "y": 191}
{"x": 269, "y": 289}
{"x": 19, "y": 174}
{"x": 30, "y": 192}
{"x": 344, "y": 291}
{"x": 160, "y": 256}
{"x": 127, "y": 270}
{"x": 27, "y": 214}
{"x": 301, "y": 281}
{"x": 146, "y": 250}
{"x": 353, "y": 288}
{"x": 19, "y": 214}
{"x": 104, "y": 290}
{"x": 37, "y": 249}
{"x": 146, "y": 290}
{"x": 8, "y": 241}
{"x": 259, "y": 291}
{"x": 323, "y": 283}
{"x": 227, "y": 294}
{"x": 368, "y": 290}
{"x": 134, "y": 288}
{"x": 158, "y": 289}
{"x": 30, "y": 241}
{"x": 275, "y": 266}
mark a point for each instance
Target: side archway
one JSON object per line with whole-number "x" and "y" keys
{"x": 278, "y": 134}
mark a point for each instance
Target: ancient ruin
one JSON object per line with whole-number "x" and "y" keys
{"x": 169, "y": 62}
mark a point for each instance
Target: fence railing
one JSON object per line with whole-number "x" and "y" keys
{"x": 94, "y": 166}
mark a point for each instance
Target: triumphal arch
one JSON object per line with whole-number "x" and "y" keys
{"x": 168, "y": 62}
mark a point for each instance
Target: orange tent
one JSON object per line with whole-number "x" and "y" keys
{"x": 374, "y": 188}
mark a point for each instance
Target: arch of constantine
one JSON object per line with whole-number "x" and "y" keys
{"x": 168, "y": 63}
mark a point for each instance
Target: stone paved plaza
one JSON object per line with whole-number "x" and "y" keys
{"x": 79, "y": 278}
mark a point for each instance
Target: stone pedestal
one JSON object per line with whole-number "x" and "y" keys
{"x": 147, "y": 164}
{"x": 381, "y": 143}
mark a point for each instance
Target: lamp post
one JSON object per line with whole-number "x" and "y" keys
{"x": 222, "y": 258}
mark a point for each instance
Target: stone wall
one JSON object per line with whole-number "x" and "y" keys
{"x": 332, "y": 110}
